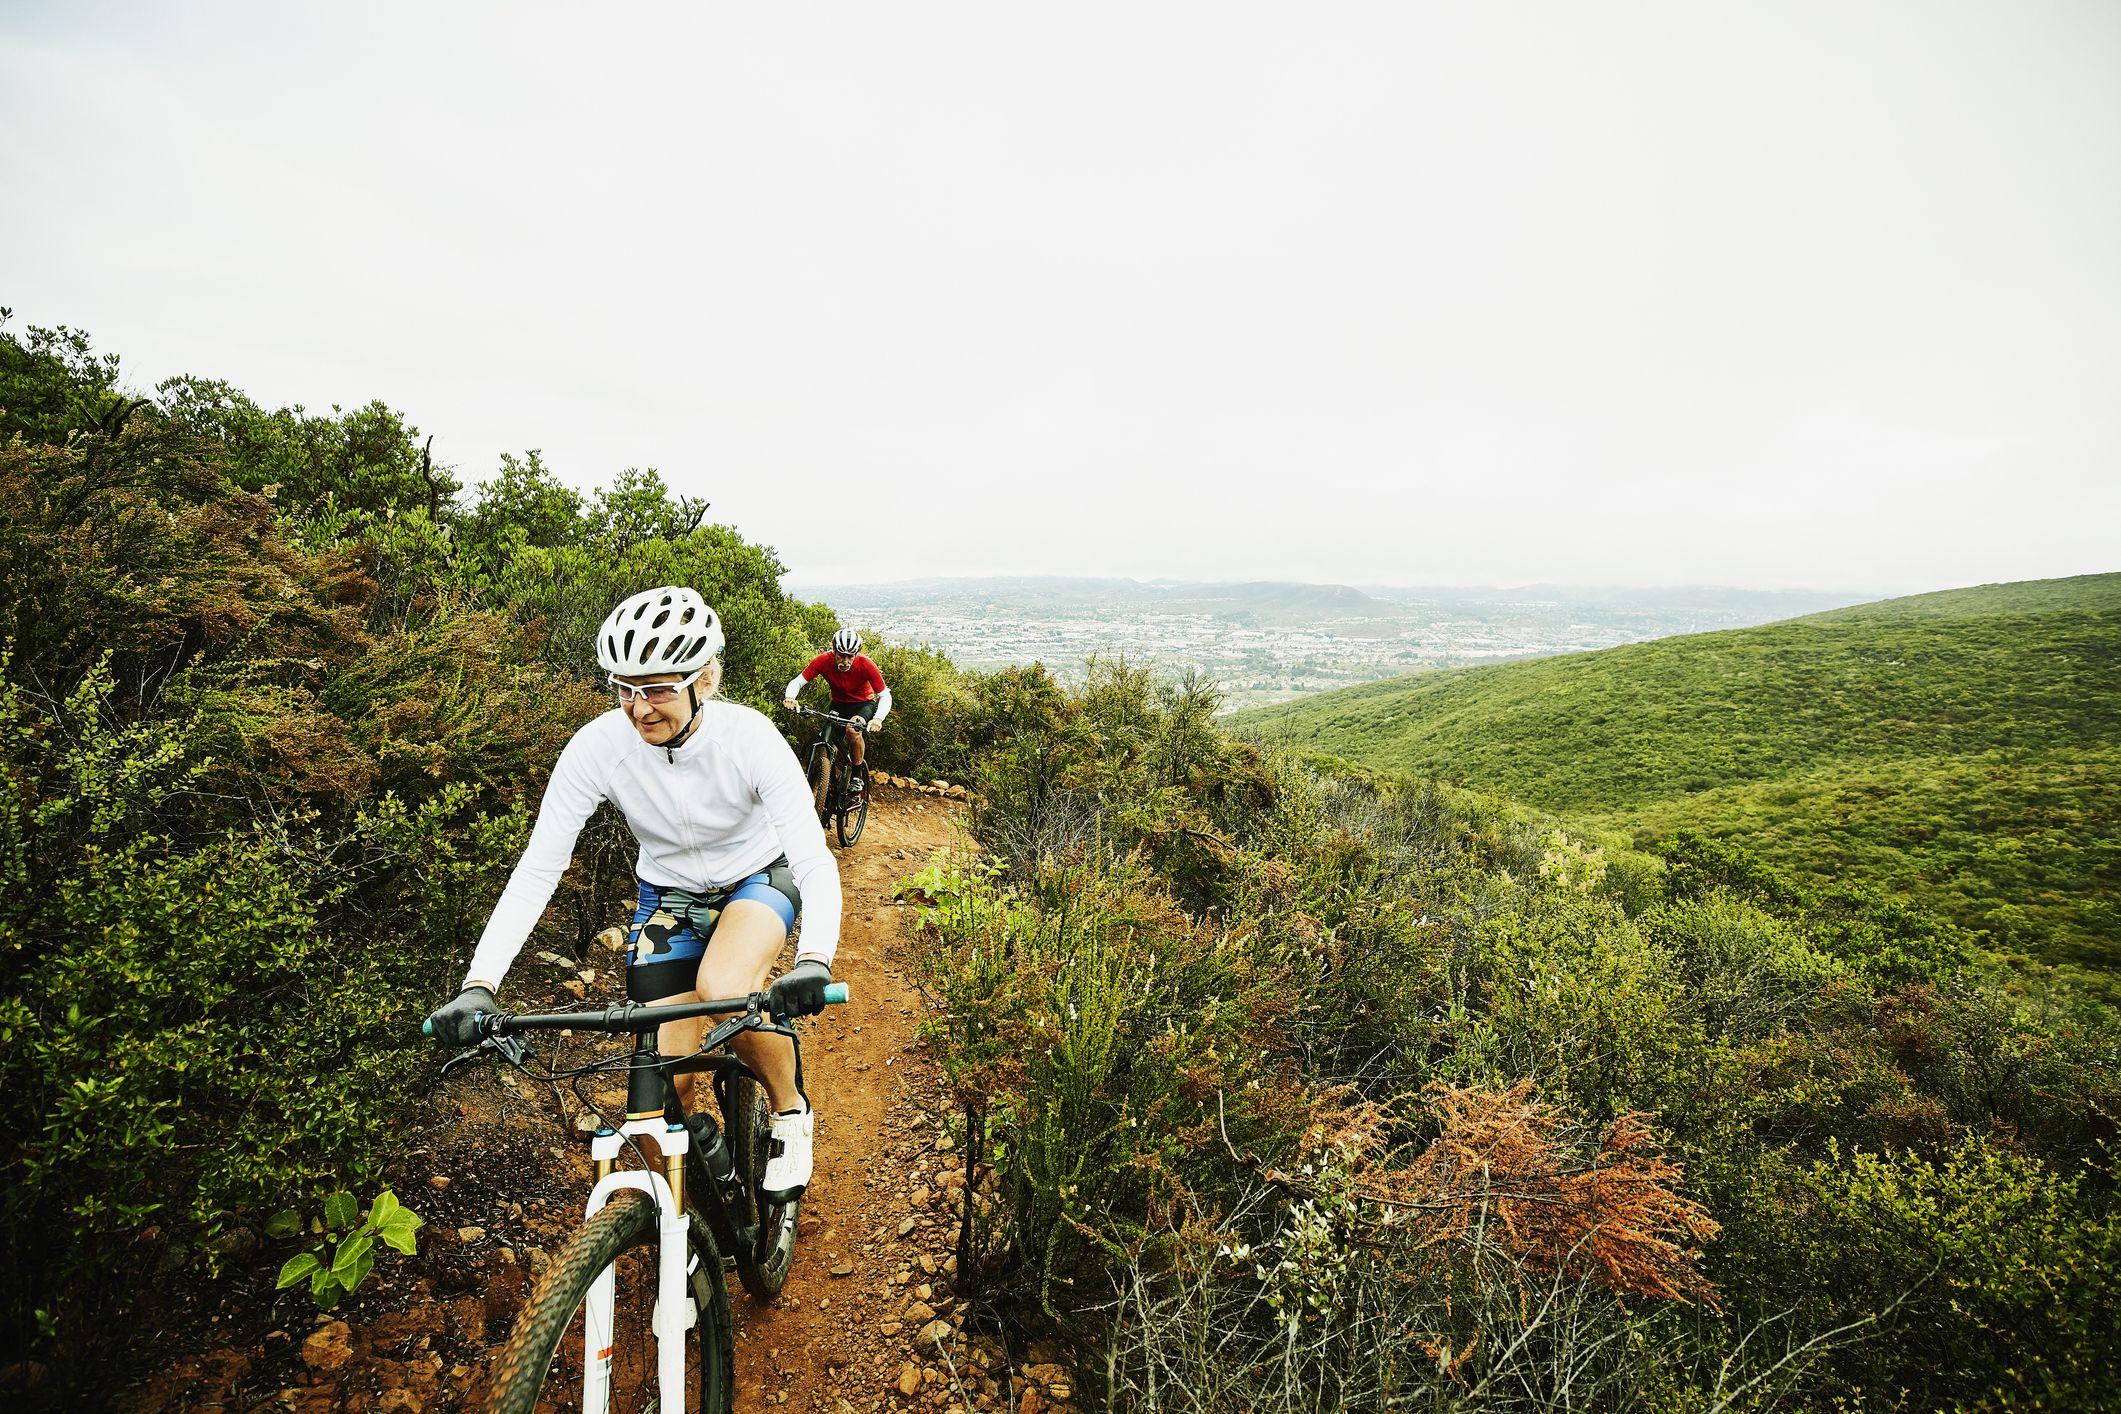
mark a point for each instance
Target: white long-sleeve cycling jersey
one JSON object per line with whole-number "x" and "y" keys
{"x": 718, "y": 808}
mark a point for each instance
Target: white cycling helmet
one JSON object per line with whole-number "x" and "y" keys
{"x": 667, "y": 630}
{"x": 847, "y": 641}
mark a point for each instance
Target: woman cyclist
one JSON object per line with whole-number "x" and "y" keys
{"x": 858, "y": 690}
{"x": 731, "y": 851}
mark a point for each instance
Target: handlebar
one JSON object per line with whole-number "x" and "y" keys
{"x": 858, "y": 723}
{"x": 628, "y": 1018}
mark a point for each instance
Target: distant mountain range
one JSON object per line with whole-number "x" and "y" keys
{"x": 1047, "y": 593}
{"x": 1052, "y": 592}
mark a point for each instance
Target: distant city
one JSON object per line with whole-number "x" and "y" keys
{"x": 1267, "y": 642}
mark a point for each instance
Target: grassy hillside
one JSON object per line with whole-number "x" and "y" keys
{"x": 1963, "y": 748}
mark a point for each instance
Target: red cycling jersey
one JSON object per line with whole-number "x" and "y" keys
{"x": 859, "y": 683}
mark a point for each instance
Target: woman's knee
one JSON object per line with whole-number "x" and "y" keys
{"x": 729, "y": 978}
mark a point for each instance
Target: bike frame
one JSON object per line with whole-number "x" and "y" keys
{"x": 653, "y": 1109}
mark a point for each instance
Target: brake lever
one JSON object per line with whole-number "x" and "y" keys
{"x": 513, "y": 1049}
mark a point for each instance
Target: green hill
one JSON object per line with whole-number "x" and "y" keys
{"x": 1962, "y": 748}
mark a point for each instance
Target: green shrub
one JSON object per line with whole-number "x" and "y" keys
{"x": 927, "y": 735}
{"x": 1580, "y": 1001}
{"x": 1747, "y": 973}
{"x": 201, "y": 1050}
{"x": 1096, "y": 1039}
{"x": 1989, "y": 1271}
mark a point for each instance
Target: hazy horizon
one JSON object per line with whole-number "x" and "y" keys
{"x": 1648, "y": 294}
{"x": 800, "y": 583}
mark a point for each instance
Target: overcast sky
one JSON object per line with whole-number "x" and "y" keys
{"x": 1772, "y": 295}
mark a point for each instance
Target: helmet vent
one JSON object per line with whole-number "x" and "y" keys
{"x": 626, "y": 647}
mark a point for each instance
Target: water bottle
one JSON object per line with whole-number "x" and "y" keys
{"x": 710, "y": 1152}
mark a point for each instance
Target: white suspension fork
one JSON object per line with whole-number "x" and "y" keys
{"x": 675, "y": 1310}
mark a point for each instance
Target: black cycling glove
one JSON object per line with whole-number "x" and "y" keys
{"x": 801, "y": 992}
{"x": 455, "y": 1022}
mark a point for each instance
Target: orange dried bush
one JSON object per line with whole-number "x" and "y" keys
{"x": 1506, "y": 1167}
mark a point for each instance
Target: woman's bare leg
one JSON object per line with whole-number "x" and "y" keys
{"x": 738, "y": 960}
{"x": 739, "y": 956}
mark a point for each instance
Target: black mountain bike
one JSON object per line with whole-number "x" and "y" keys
{"x": 704, "y": 1200}
{"x": 831, "y": 776}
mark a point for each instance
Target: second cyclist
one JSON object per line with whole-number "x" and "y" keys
{"x": 858, "y": 690}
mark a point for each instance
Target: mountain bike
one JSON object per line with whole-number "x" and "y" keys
{"x": 830, "y": 774}
{"x": 705, "y": 1200}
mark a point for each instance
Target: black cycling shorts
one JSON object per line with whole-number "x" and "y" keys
{"x": 865, "y": 710}
{"x": 671, "y": 928}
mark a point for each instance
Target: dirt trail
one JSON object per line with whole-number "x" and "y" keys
{"x": 821, "y": 1342}
{"x": 866, "y": 1321}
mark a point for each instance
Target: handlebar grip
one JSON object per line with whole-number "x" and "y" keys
{"x": 835, "y": 993}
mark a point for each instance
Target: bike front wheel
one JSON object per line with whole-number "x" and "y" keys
{"x": 628, "y": 1221}
{"x": 748, "y": 1121}
{"x": 820, "y": 777}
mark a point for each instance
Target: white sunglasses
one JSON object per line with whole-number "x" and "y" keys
{"x": 657, "y": 693}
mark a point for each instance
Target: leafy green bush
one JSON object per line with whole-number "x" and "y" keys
{"x": 274, "y": 707}
{"x": 1989, "y": 1272}
{"x": 927, "y": 735}
{"x": 195, "y": 1029}
{"x": 1089, "y": 1032}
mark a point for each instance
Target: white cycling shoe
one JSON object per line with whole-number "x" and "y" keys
{"x": 788, "y": 1163}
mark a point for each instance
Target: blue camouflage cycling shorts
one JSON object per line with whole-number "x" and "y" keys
{"x": 672, "y": 927}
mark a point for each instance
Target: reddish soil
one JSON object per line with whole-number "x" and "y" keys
{"x": 868, "y": 1319}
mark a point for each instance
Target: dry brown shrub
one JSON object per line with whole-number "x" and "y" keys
{"x": 295, "y": 747}
{"x": 1560, "y": 1198}
{"x": 1910, "y": 1121}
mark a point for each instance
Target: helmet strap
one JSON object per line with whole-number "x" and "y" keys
{"x": 692, "y": 695}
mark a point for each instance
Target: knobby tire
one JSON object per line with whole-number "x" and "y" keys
{"x": 748, "y": 1121}
{"x": 821, "y": 763}
{"x": 553, "y": 1312}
